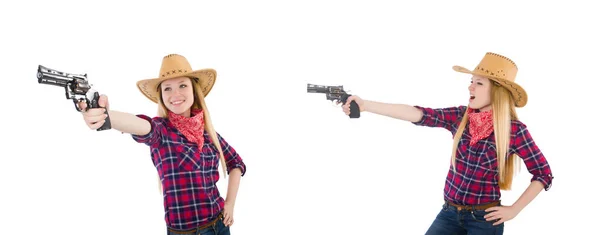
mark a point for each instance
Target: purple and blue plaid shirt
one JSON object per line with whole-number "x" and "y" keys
{"x": 188, "y": 174}
{"x": 476, "y": 177}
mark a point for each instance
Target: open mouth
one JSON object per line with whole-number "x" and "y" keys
{"x": 177, "y": 102}
{"x": 472, "y": 97}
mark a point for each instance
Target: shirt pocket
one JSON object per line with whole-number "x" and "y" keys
{"x": 209, "y": 158}
{"x": 188, "y": 158}
{"x": 488, "y": 161}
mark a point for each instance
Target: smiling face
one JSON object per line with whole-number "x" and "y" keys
{"x": 178, "y": 95}
{"x": 480, "y": 93}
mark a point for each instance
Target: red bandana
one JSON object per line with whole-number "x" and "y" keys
{"x": 192, "y": 128}
{"x": 481, "y": 125}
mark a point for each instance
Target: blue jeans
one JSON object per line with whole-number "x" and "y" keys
{"x": 450, "y": 221}
{"x": 217, "y": 229}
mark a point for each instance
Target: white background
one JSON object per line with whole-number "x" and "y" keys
{"x": 311, "y": 170}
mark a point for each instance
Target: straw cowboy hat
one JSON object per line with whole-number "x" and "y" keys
{"x": 502, "y": 70}
{"x": 174, "y": 65}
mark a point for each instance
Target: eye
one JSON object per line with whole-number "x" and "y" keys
{"x": 479, "y": 83}
{"x": 183, "y": 86}
{"x": 167, "y": 89}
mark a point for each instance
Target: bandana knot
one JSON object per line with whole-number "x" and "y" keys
{"x": 481, "y": 125}
{"x": 191, "y": 127}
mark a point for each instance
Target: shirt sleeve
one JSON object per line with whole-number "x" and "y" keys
{"x": 441, "y": 117}
{"x": 524, "y": 146}
{"x": 232, "y": 158}
{"x": 157, "y": 128}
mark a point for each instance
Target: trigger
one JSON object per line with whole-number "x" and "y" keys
{"x": 88, "y": 104}
{"x": 76, "y": 103}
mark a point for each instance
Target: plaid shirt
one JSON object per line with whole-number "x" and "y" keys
{"x": 476, "y": 177}
{"x": 188, "y": 175}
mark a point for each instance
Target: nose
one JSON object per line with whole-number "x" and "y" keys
{"x": 471, "y": 87}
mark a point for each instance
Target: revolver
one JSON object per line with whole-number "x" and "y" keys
{"x": 76, "y": 87}
{"x": 334, "y": 93}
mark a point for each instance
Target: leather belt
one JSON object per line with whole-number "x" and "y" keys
{"x": 474, "y": 207}
{"x": 192, "y": 231}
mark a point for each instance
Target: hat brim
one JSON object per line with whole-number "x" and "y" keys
{"x": 519, "y": 94}
{"x": 206, "y": 78}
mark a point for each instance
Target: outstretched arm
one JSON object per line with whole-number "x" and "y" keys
{"x": 128, "y": 123}
{"x": 397, "y": 111}
{"x": 121, "y": 121}
{"x": 421, "y": 116}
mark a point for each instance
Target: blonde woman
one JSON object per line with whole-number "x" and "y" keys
{"x": 489, "y": 140}
{"x": 185, "y": 148}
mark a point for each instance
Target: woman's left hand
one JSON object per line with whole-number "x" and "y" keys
{"x": 500, "y": 213}
{"x": 228, "y": 214}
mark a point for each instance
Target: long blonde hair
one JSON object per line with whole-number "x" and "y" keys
{"x": 504, "y": 112}
{"x": 199, "y": 103}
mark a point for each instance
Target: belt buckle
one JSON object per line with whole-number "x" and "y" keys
{"x": 465, "y": 208}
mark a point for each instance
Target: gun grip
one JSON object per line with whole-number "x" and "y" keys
{"x": 94, "y": 104}
{"x": 354, "y": 111}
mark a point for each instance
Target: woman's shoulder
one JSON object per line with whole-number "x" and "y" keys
{"x": 157, "y": 122}
{"x": 460, "y": 108}
{"x": 157, "y": 119}
{"x": 517, "y": 124}
{"x": 456, "y": 111}
{"x": 518, "y": 129}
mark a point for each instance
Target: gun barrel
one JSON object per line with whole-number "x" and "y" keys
{"x": 312, "y": 88}
{"x": 53, "y": 77}
{"x": 52, "y": 80}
